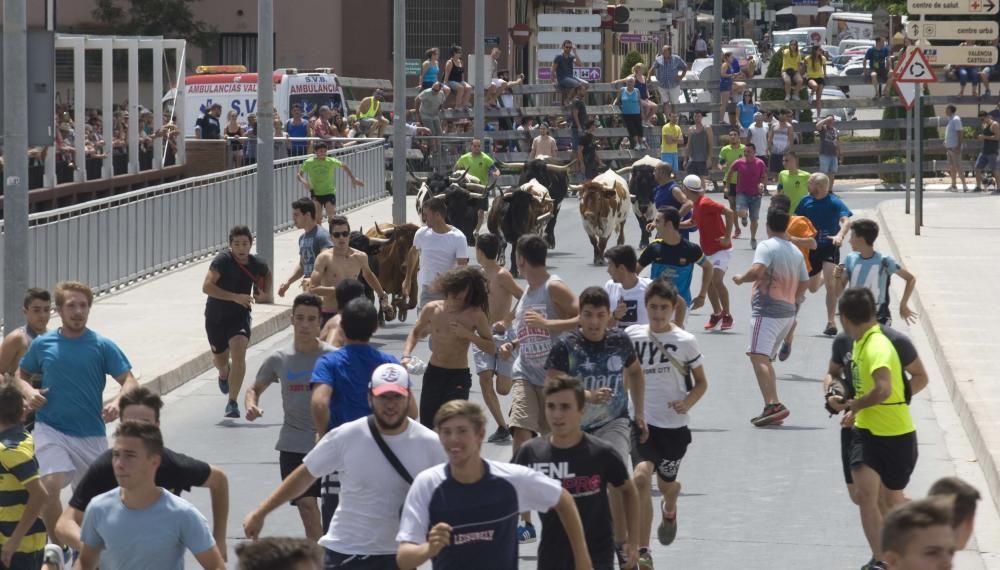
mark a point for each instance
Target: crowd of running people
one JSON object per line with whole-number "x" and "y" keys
{"x": 602, "y": 386}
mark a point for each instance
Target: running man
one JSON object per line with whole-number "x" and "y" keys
{"x": 884, "y": 443}
{"x": 626, "y": 289}
{"x": 831, "y": 218}
{"x": 463, "y": 513}
{"x": 479, "y": 164}
{"x": 37, "y": 309}
{"x": 675, "y": 381}
{"x": 802, "y": 234}
{"x": 338, "y": 263}
{"x": 319, "y": 176}
{"x": 346, "y": 291}
{"x": 437, "y": 247}
{"x": 865, "y": 267}
{"x": 605, "y": 360}
{"x": 168, "y": 524}
{"x": 715, "y": 227}
{"x": 585, "y": 466}
{"x": 74, "y": 362}
{"x": 502, "y": 291}
{"x": 453, "y": 324}
{"x": 314, "y": 239}
{"x": 362, "y": 533}
{"x": 22, "y": 492}
{"x": 728, "y": 155}
{"x": 546, "y": 309}
{"x": 177, "y": 473}
{"x": 292, "y": 366}
{"x": 236, "y": 280}
{"x": 673, "y": 257}
{"x": 779, "y": 279}
{"x": 793, "y": 182}
{"x": 918, "y": 535}
{"x": 751, "y": 184}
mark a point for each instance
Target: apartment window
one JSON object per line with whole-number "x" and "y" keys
{"x": 432, "y": 23}
{"x": 238, "y": 49}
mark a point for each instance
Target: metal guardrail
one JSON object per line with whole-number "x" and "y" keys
{"x": 116, "y": 241}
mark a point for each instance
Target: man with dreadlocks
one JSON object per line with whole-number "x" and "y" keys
{"x": 454, "y": 323}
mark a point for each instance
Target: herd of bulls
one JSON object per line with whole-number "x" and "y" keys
{"x": 530, "y": 207}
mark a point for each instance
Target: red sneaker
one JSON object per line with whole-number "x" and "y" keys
{"x": 727, "y": 322}
{"x": 713, "y": 322}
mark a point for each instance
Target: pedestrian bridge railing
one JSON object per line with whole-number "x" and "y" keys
{"x": 113, "y": 242}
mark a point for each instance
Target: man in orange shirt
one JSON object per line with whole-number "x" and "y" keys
{"x": 802, "y": 234}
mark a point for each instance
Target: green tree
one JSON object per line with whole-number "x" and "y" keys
{"x": 167, "y": 18}
{"x": 631, "y": 58}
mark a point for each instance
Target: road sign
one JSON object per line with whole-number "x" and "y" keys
{"x": 492, "y": 41}
{"x": 916, "y": 69}
{"x": 947, "y": 30}
{"x": 636, "y": 38}
{"x": 907, "y": 92}
{"x": 770, "y": 15}
{"x": 961, "y": 55}
{"x": 413, "y": 66}
{"x": 585, "y": 73}
{"x": 958, "y": 7}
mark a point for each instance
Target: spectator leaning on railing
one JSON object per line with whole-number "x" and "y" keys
{"x": 669, "y": 70}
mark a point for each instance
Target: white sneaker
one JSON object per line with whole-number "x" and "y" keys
{"x": 53, "y": 556}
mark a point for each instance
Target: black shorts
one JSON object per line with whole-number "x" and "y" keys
{"x": 442, "y": 385}
{"x": 827, "y": 253}
{"x": 892, "y": 457}
{"x": 821, "y": 81}
{"x": 289, "y": 461}
{"x": 325, "y": 199}
{"x": 882, "y": 74}
{"x": 633, "y": 124}
{"x": 665, "y": 447}
{"x": 698, "y": 167}
{"x": 326, "y": 316}
{"x": 774, "y": 163}
{"x": 846, "y": 438}
{"x": 220, "y": 330}
{"x": 26, "y": 560}
{"x": 791, "y": 73}
{"x": 337, "y": 561}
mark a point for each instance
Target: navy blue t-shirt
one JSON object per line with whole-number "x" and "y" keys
{"x": 348, "y": 371}
{"x": 483, "y": 515}
{"x": 663, "y": 196}
{"x": 825, "y": 216}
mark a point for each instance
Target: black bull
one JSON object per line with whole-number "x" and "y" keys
{"x": 511, "y": 216}
{"x": 463, "y": 210}
{"x": 641, "y": 186}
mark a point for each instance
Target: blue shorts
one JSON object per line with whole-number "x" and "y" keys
{"x": 986, "y": 162}
{"x": 426, "y": 84}
{"x": 671, "y": 159}
{"x": 751, "y": 203}
{"x": 828, "y": 163}
{"x": 571, "y": 82}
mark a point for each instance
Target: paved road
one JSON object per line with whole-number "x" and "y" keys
{"x": 752, "y": 498}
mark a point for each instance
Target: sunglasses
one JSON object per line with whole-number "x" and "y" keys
{"x": 340, "y": 234}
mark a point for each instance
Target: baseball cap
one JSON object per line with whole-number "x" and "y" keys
{"x": 390, "y": 378}
{"x": 693, "y": 182}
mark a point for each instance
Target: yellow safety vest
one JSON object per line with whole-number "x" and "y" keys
{"x": 373, "y": 108}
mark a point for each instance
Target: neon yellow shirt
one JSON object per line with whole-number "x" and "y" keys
{"x": 669, "y": 130}
{"x": 795, "y": 187}
{"x": 479, "y": 166}
{"x": 892, "y": 417}
{"x": 321, "y": 175}
{"x": 727, "y": 155}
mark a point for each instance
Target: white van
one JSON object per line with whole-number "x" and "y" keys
{"x": 815, "y": 36}
{"x": 237, "y": 91}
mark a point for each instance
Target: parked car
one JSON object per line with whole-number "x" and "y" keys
{"x": 856, "y": 69}
{"x": 744, "y": 55}
{"x": 848, "y": 45}
{"x": 836, "y": 103}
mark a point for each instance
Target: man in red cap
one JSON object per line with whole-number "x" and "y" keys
{"x": 377, "y": 457}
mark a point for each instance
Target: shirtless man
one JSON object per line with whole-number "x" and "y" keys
{"x": 502, "y": 291}
{"x": 338, "y": 263}
{"x": 454, "y": 323}
{"x": 37, "y": 310}
{"x": 347, "y": 290}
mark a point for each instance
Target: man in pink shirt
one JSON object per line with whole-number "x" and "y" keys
{"x": 751, "y": 178}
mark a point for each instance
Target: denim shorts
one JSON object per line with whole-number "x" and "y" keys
{"x": 752, "y": 203}
{"x": 571, "y": 82}
{"x": 828, "y": 163}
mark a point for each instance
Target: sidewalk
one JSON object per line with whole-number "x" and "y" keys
{"x": 954, "y": 260}
{"x": 160, "y": 322}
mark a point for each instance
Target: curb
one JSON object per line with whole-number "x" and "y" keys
{"x": 987, "y": 462}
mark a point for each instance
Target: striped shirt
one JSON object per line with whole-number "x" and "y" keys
{"x": 17, "y": 467}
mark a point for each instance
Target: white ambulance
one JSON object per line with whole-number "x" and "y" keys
{"x": 236, "y": 90}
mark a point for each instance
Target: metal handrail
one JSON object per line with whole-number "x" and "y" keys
{"x": 116, "y": 241}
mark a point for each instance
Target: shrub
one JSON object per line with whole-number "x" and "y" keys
{"x": 892, "y": 177}
{"x": 631, "y": 58}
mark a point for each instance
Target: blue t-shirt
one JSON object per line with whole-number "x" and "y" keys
{"x": 876, "y": 57}
{"x": 663, "y": 196}
{"x": 299, "y": 131}
{"x": 74, "y": 370}
{"x": 747, "y": 111}
{"x": 153, "y": 538}
{"x": 674, "y": 262}
{"x": 872, "y": 273}
{"x": 630, "y": 102}
{"x": 564, "y": 65}
{"x": 825, "y": 216}
{"x": 311, "y": 244}
{"x": 349, "y": 371}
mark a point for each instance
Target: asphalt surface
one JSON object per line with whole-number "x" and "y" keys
{"x": 752, "y": 498}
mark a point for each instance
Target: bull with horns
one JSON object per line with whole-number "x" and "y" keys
{"x": 641, "y": 187}
{"x": 464, "y": 196}
{"x": 555, "y": 179}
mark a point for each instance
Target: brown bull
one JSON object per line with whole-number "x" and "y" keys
{"x": 392, "y": 263}
{"x": 604, "y": 206}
